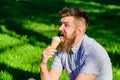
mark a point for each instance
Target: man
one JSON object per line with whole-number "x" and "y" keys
{"x": 80, "y": 56}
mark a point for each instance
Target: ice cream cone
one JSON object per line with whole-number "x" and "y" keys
{"x": 55, "y": 42}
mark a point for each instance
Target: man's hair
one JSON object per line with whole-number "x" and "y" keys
{"x": 75, "y": 12}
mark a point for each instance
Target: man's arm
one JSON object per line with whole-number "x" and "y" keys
{"x": 49, "y": 75}
{"x": 44, "y": 73}
{"x": 85, "y": 77}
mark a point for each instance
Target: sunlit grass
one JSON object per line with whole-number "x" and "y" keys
{"x": 116, "y": 73}
{"x": 4, "y": 75}
{"x": 26, "y": 55}
{"x": 8, "y": 41}
{"x": 42, "y": 28}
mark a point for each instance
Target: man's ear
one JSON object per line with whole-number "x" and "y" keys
{"x": 80, "y": 29}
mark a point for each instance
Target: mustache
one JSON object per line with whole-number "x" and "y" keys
{"x": 61, "y": 33}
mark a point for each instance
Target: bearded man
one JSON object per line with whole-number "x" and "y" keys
{"x": 79, "y": 55}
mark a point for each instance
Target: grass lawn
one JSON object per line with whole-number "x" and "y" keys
{"x": 27, "y": 26}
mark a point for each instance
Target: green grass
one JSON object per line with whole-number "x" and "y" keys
{"x": 30, "y": 25}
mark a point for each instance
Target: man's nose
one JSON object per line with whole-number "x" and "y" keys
{"x": 61, "y": 27}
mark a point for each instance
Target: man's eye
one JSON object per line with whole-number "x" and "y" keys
{"x": 66, "y": 25}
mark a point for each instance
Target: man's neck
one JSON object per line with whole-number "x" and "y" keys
{"x": 78, "y": 38}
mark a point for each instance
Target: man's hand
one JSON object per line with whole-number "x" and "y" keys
{"x": 44, "y": 73}
{"x": 47, "y": 53}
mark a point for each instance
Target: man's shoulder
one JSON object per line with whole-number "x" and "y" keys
{"x": 88, "y": 42}
{"x": 91, "y": 45}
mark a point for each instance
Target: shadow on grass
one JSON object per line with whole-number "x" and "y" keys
{"x": 19, "y": 74}
{"x": 19, "y": 29}
{"x": 115, "y": 58}
{"x": 29, "y": 9}
{"x": 105, "y": 25}
{"x": 12, "y": 12}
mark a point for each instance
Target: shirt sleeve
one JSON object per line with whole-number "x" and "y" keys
{"x": 57, "y": 64}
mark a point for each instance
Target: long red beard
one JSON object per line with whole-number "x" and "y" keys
{"x": 67, "y": 44}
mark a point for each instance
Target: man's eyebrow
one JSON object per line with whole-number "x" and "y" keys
{"x": 64, "y": 22}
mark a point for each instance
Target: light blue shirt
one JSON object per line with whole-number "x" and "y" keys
{"x": 87, "y": 57}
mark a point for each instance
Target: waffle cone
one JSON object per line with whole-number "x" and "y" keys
{"x": 55, "y": 42}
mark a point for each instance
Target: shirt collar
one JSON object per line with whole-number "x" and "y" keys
{"x": 76, "y": 47}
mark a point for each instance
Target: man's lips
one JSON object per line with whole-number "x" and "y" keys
{"x": 62, "y": 38}
{"x": 61, "y": 35}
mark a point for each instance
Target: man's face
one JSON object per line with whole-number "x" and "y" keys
{"x": 67, "y": 34}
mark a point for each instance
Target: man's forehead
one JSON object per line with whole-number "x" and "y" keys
{"x": 67, "y": 19}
